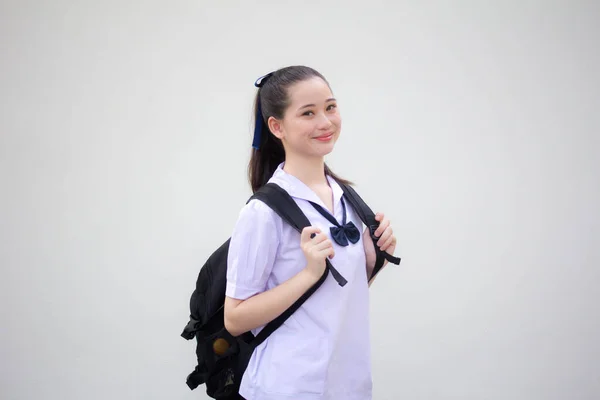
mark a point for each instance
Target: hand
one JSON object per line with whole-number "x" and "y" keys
{"x": 316, "y": 247}
{"x": 386, "y": 241}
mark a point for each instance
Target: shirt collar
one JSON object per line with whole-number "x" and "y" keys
{"x": 298, "y": 189}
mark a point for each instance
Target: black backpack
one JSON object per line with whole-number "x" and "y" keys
{"x": 222, "y": 358}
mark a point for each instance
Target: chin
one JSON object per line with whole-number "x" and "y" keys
{"x": 325, "y": 149}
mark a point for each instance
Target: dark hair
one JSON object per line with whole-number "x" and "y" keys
{"x": 274, "y": 100}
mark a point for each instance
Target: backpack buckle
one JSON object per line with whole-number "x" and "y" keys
{"x": 372, "y": 229}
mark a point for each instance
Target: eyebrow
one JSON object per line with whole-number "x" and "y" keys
{"x": 312, "y": 105}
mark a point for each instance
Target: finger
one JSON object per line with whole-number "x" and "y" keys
{"x": 331, "y": 252}
{"x": 318, "y": 234}
{"x": 327, "y": 252}
{"x": 388, "y": 243}
{"x": 320, "y": 237}
{"x": 308, "y": 231}
{"x": 382, "y": 227}
{"x": 385, "y": 236}
{"x": 323, "y": 245}
{"x": 382, "y": 221}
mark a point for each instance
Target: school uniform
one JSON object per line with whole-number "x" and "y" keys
{"x": 322, "y": 352}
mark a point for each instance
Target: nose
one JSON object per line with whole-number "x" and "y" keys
{"x": 324, "y": 123}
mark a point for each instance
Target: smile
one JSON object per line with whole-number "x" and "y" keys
{"x": 325, "y": 138}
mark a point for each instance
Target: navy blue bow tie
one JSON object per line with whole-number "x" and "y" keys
{"x": 343, "y": 233}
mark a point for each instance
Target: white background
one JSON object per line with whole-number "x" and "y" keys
{"x": 125, "y": 134}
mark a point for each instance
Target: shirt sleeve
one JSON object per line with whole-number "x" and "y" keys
{"x": 252, "y": 251}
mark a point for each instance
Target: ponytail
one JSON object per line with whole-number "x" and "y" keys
{"x": 267, "y": 153}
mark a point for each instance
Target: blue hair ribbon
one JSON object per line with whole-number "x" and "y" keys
{"x": 258, "y": 127}
{"x": 258, "y": 123}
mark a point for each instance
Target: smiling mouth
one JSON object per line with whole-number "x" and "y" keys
{"x": 325, "y": 138}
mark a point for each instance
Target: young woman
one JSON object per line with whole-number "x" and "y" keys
{"x": 323, "y": 350}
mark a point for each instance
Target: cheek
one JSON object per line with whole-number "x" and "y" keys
{"x": 304, "y": 129}
{"x": 336, "y": 120}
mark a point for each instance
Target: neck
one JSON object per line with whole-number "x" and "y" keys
{"x": 311, "y": 171}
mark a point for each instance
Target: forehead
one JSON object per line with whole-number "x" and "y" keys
{"x": 313, "y": 90}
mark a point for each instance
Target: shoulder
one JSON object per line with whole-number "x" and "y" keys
{"x": 256, "y": 215}
{"x": 256, "y": 209}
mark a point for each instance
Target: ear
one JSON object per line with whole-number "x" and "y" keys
{"x": 276, "y": 127}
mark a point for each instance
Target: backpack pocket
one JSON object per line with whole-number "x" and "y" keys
{"x": 221, "y": 352}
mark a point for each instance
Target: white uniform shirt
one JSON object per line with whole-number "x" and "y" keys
{"x": 323, "y": 350}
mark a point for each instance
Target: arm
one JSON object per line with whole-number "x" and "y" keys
{"x": 244, "y": 315}
{"x": 250, "y": 260}
{"x": 375, "y": 277}
{"x": 370, "y": 268}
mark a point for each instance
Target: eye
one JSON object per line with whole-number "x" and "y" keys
{"x": 307, "y": 113}
{"x": 331, "y": 107}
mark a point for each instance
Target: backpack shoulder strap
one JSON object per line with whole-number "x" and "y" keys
{"x": 367, "y": 216}
{"x": 282, "y": 203}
